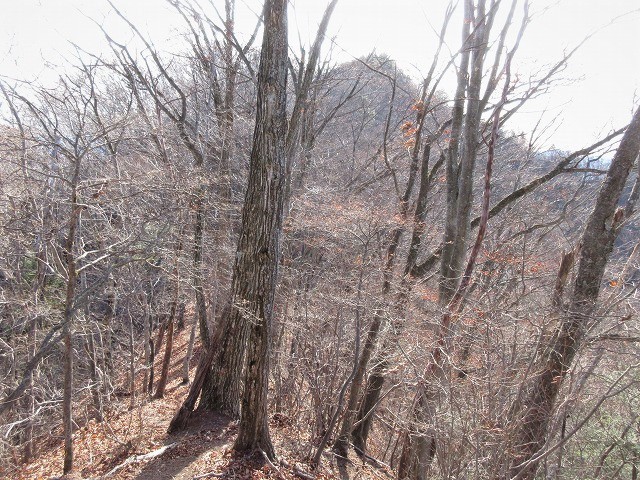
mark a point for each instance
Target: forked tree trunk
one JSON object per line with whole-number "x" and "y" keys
{"x": 341, "y": 445}
{"x": 448, "y": 276}
{"x": 419, "y": 446}
{"x": 368, "y": 404}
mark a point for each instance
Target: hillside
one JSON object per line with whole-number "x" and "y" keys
{"x": 134, "y": 444}
{"x": 294, "y": 259}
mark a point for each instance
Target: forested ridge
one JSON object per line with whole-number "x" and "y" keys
{"x": 245, "y": 259}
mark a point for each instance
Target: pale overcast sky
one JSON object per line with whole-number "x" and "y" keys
{"x": 606, "y": 69}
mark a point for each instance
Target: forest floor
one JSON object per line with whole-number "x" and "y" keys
{"x": 133, "y": 443}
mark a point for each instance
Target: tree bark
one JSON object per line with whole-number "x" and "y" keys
{"x": 259, "y": 246}
{"x": 96, "y": 393}
{"x": 341, "y": 445}
{"x": 187, "y": 357}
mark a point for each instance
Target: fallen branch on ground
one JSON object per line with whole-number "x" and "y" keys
{"x": 139, "y": 458}
{"x": 210, "y": 474}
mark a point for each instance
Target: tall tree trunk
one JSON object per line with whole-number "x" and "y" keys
{"x": 67, "y": 418}
{"x": 29, "y": 450}
{"x": 221, "y": 383}
{"x": 112, "y": 301}
{"x": 533, "y": 415}
{"x": 470, "y": 141}
{"x": 419, "y": 446}
{"x": 69, "y": 313}
{"x": 132, "y": 364}
{"x": 448, "y": 276}
{"x": 256, "y": 271}
{"x": 96, "y": 393}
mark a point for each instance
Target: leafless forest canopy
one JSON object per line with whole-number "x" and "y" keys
{"x": 377, "y": 262}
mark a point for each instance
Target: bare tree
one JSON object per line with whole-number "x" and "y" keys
{"x": 602, "y": 228}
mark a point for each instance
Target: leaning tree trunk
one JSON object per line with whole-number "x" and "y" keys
{"x": 533, "y": 416}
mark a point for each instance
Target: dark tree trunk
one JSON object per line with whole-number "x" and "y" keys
{"x": 341, "y": 445}
{"x": 132, "y": 364}
{"x": 166, "y": 360}
{"x": 29, "y": 450}
{"x": 368, "y": 404}
{"x": 171, "y": 321}
{"x": 152, "y": 359}
{"x": 187, "y": 357}
{"x": 69, "y": 313}
{"x": 201, "y": 304}
{"x": 112, "y": 301}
